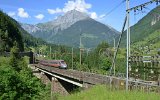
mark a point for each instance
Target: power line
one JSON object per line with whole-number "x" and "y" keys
{"x": 117, "y": 6}
{"x": 144, "y": 24}
{"x": 140, "y": 7}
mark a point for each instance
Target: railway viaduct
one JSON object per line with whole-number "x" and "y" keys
{"x": 64, "y": 81}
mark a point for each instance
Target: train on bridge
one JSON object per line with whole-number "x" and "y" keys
{"x": 54, "y": 63}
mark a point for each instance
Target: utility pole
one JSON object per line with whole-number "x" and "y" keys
{"x": 114, "y": 43}
{"x": 118, "y": 44}
{"x": 88, "y": 51}
{"x": 80, "y": 47}
{"x": 72, "y": 57}
{"x": 50, "y": 52}
{"x": 80, "y": 56}
{"x": 55, "y": 55}
{"x": 128, "y": 42}
{"x": 114, "y": 55}
{"x": 136, "y": 8}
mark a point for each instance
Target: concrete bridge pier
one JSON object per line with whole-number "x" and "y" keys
{"x": 45, "y": 78}
{"x": 57, "y": 87}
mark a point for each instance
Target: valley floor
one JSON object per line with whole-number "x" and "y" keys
{"x": 104, "y": 93}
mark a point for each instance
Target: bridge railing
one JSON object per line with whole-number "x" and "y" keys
{"x": 138, "y": 85}
{"x": 145, "y": 86}
{"x": 112, "y": 81}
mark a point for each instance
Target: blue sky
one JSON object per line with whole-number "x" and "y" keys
{"x": 38, "y": 11}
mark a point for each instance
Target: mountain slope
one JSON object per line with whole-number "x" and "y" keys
{"x": 68, "y": 28}
{"x": 145, "y": 34}
{"x": 28, "y": 39}
{"x": 63, "y": 22}
{"x": 150, "y": 44}
{"x": 9, "y": 34}
{"x": 146, "y": 26}
{"x": 92, "y": 33}
{"x": 11, "y": 30}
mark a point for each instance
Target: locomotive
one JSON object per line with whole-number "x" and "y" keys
{"x": 54, "y": 63}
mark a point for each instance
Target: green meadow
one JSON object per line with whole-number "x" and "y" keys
{"x": 102, "y": 92}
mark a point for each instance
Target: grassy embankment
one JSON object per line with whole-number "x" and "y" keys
{"x": 103, "y": 93}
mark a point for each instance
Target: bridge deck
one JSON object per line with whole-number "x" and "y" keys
{"x": 86, "y": 77}
{"x": 80, "y": 78}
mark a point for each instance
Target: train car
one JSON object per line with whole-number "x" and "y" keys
{"x": 54, "y": 63}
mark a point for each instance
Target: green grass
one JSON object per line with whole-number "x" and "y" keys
{"x": 103, "y": 93}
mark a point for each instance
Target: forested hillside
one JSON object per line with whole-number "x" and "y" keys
{"x": 11, "y": 32}
{"x": 145, "y": 34}
{"x": 17, "y": 81}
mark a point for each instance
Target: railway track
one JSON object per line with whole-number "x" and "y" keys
{"x": 94, "y": 79}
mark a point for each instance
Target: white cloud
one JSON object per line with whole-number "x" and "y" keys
{"x": 93, "y": 15}
{"x": 22, "y": 13}
{"x": 39, "y": 16}
{"x": 11, "y": 14}
{"x": 102, "y": 16}
{"x": 52, "y": 11}
{"x": 79, "y": 5}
